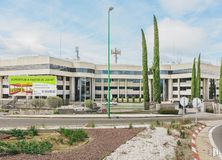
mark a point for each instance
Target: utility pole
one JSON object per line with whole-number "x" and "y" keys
{"x": 116, "y": 52}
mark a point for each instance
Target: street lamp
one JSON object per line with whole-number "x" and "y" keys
{"x": 110, "y": 9}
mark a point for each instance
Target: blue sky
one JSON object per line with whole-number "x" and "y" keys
{"x": 186, "y": 28}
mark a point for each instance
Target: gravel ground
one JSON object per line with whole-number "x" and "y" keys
{"x": 147, "y": 145}
{"x": 104, "y": 142}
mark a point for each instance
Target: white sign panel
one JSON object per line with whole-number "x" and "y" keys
{"x": 41, "y": 89}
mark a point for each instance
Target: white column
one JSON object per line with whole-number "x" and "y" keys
{"x": 164, "y": 90}
{"x": 140, "y": 88}
{"x": 93, "y": 88}
{"x": 102, "y": 89}
{"x": 170, "y": 89}
{"x": 72, "y": 89}
{"x": 118, "y": 88}
{"x": 1, "y": 83}
{"x": 64, "y": 88}
{"x": 125, "y": 88}
{"x": 178, "y": 88}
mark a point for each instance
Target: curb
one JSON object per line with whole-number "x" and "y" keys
{"x": 193, "y": 142}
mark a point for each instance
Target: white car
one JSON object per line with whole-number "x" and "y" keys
{"x": 81, "y": 109}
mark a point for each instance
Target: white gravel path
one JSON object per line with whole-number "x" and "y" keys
{"x": 147, "y": 145}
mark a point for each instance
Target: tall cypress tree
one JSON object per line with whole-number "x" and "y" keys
{"x": 156, "y": 64}
{"x": 211, "y": 92}
{"x": 146, "y": 97}
{"x": 220, "y": 84}
{"x": 193, "y": 80}
{"x": 198, "y": 79}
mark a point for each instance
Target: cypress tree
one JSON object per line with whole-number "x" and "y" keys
{"x": 198, "y": 79}
{"x": 193, "y": 80}
{"x": 156, "y": 65}
{"x": 211, "y": 92}
{"x": 146, "y": 97}
{"x": 220, "y": 84}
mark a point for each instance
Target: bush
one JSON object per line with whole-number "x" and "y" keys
{"x": 54, "y": 101}
{"x": 209, "y": 110}
{"x": 169, "y": 131}
{"x": 130, "y": 126}
{"x": 31, "y": 147}
{"x": 32, "y": 131}
{"x": 73, "y": 135}
{"x": 38, "y": 103}
{"x": 168, "y": 111}
{"x": 152, "y": 127}
{"x": 18, "y": 133}
{"x": 88, "y": 103}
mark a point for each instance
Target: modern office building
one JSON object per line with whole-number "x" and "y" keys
{"x": 77, "y": 80}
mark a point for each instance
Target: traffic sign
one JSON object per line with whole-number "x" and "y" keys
{"x": 184, "y": 101}
{"x": 196, "y": 102}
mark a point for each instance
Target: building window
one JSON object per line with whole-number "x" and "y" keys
{"x": 67, "y": 87}
{"x": 67, "y": 78}
{"x": 5, "y": 96}
{"x": 98, "y": 79}
{"x": 59, "y": 78}
{"x": 175, "y": 80}
{"x": 59, "y": 87}
{"x": 175, "y": 96}
{"x": 98, "y": 96}
{"x": 98, "y": 88}
{"x": 175, "y": 88}
{"x": 121, "y": 87}
{"x": 105, "y": 88}
{"x": 67, "y": 96}
{"x": 4, "y": 86}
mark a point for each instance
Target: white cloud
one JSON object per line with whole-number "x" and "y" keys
{"x": 178, "y": 39}
{"x": 180, "y": 7}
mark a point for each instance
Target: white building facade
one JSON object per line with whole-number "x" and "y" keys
{"x": 77, "y": 81}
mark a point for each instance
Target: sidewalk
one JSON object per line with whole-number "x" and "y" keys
{"x": 93, "y": 116}
{"x": 204, "y": 147}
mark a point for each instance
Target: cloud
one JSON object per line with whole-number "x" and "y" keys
{"x": 180, "y": 7}
{"x": 178, "y": 39}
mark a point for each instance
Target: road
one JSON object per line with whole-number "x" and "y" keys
{"x": 24, "y": 122}
{"x": 217, "y": 136}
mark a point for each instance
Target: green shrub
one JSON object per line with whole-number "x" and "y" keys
{"x": 32, "y": 131}
{"x": 130, "y": 126}
{"x": 169, "y": 131}
{"x": 152, "y": 127}
{"x": 140, "y": 100}
{"x": 183, "y": 134}
{"x": 73, "y": 135}
{"x": 178, "y": 143}
{"x": 31, "y": 147}
{"x": 168, "y": 111}
{"x": 18, "y": 133}
{"x": 88, "y": 103}
{"x": 54, "y": 101}
{"x": 38, "y": 103}
{"x": 209, "y": 110}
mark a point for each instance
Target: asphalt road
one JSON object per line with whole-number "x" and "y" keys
{"x": 25, "y": 122}
{"x": 217, "y": 137}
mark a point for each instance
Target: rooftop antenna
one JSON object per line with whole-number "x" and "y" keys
{"x": 77, "y": 53}
{"x": 116, "y": 52}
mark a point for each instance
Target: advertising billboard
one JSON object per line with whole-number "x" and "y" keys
{"x": 32, "y": 85}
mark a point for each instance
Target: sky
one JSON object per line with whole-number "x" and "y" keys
{"x": 186, "y": 28}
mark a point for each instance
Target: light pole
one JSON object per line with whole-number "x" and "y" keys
{"x": 110, "y": 9}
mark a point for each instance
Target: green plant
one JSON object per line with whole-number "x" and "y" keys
{"x": 32, "y": 131}
{"x": 169, "y": 131}
{"x": 130, "y": 126}
{"x": 73, "y": 135}
{"x": 179, "y": 143}
{"x": 209, "y": 110}
{"x": 167, "y": 111}
{"x": 38, "y": 103}
{"x": 145, "y": 72}
{"x": 54, "y": 101}
{"x": 156, "y": 65}
{"x": 183, "y": 134}
{"x": 56, "y": 111}
{"x": 22, "y": 146}
{"x": 198, "y": 80}
{"x": 152, "y": 127}
{"x": 157, "y": 122}
{"x": 18, "y": 133}
{"x": 88, "y": 103}
{"x": 193, "y": 80}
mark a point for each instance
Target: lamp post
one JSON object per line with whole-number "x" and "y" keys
{"x": 110, "y": 9}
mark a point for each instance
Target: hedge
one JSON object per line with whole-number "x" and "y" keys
{"x": 168, "y": 111}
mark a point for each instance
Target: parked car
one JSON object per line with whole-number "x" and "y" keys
{"x": 82, "y": 109}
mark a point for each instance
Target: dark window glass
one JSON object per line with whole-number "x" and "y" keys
{"x": 175, "y": 88}
{"x": 98, "y": 96}
{"x": 5, "y": 86}
{"x": 98, "y": 80}
{"x": 59, "y": 87}
{"x": 67, "y": 87}
{"x": 98, "y": 88}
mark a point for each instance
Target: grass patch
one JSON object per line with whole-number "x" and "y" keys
{"x": 73, "y": 135}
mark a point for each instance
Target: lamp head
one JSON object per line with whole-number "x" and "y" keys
{"x": 110, "y": 8}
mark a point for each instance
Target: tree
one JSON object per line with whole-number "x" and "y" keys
{"x": 145, "y": 73}
{"x": 198, "y": 79}
{"x": 193, "y": 80}
{"x": 156, "y": 65}
{"x": 212, "y": 92}
{"x": 220, "y": 84}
